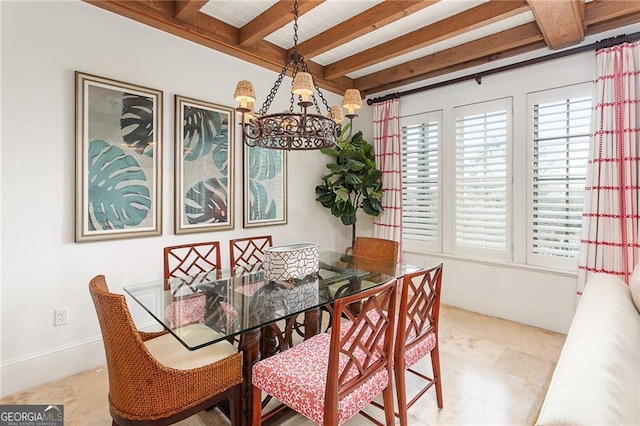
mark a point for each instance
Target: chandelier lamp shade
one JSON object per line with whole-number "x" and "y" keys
{"x": 303, "y": 126}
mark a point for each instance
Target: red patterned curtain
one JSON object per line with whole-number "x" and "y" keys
{"x": 388, "y": 151}
{"x": 610, "y": 238}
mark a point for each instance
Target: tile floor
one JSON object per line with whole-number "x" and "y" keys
{"x": 495, "y": 372}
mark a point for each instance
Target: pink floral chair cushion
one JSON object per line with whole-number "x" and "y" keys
{"x": 230, "y": 315}
{"x": 298, "y": 377}
{"x": 419, "y": 350}
{"x": 192, "y": 310}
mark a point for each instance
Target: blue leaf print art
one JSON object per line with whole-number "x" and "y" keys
{"x": 206, "y": 165}
{"x": 265, "y": 171}
{"x": 118, "y": 195}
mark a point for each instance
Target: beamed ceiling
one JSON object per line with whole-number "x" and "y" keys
{"x": 377, "y": 45}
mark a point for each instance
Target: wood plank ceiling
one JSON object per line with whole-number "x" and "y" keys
{"x": 376, "y": 45}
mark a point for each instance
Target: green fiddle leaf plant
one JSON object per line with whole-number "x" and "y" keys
{"x": 354, "y": 181}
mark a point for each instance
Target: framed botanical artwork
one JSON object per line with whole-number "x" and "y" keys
{"x": 204, "y": 182}
{"x": 265, "y": 187}
{"x": 118, "y": 159}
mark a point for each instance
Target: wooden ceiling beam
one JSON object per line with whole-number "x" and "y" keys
{"x": 272, "y": 19}
{"x": 561, "y": 21}
{"x": 493, "y": 44}
{"x": 215, "y": 34}
{"x": 458, "y": 67}
{"x": 599, "y": 11}
{"x": 600, "y": 16}
{"x": 183, "y": 19}
{"x": 463, "y": 22}
{"x": 370, "y": 20}
{"x": 184, "y": 10}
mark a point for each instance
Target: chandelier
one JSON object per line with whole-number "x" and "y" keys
{"x": 296, "y": 128}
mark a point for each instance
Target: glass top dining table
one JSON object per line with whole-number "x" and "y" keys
{"x": 241, "y": 305}
{"x": 203, "y": 309}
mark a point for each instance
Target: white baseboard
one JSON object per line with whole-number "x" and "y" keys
{"x": 513, "y": 310}
{"x": 47, "y": 366}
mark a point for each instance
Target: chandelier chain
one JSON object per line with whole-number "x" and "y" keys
{"x": 295, "y": 28}
{"x": 318, "y": 91}
{"x": 274, "y": 89}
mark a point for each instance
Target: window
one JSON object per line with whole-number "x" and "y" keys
{"x": 559, "y": 145}
{"x": 482, "y": 182}
{"x": 420, "y": 181}
{"x": 482, "y": 178}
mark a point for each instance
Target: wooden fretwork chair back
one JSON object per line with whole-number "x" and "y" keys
{"x": 422, "y": 296}
{"x": 329, "y": 378}
{"x": 248, "y": 251}
{"x": 417, "y": 334}
{"x": 367, "y": 346}
{"x": 188, "y": 260}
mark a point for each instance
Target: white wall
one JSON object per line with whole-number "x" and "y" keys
{"x": 42, "y": 269}
{"x": 43, "y": 43}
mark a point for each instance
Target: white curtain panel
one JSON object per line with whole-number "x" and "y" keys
{"x": 610, "y": 236}
{"x": 388, "y": 151}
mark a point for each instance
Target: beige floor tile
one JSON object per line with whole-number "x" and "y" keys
{"x": 530, "y": 367}
{"x": 494, "y": 372}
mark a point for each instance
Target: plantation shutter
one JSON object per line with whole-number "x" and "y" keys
{"x": 420, "y": 181}
{"x": 560, "y": 147}
{"x": 482, "y": 177}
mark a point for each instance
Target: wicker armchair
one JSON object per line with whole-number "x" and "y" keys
{"x": 153, "y": 379}
{"x": 376, "y": 248}
{"x": 373, "y": 254}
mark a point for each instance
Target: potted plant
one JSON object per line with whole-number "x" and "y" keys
{"x": 353, "y": 183}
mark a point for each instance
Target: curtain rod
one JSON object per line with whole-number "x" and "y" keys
{"x": 602, "y": 44}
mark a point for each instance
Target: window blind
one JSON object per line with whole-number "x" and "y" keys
{"x": 560, "y": 154}
{"x": 481, "y": 216}
{"x": 420, "y": 176}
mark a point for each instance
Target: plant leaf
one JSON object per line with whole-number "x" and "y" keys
{"x": 136, "y": 121}
{"x": 260, "y": 207}
{"x": 354, "y": 181}
{"x": 206, "y": 202}
{"x": 205, "y": 131}
{"x": 118, "y": 195}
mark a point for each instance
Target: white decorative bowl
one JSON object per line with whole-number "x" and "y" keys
{"x": 288, "y": 262}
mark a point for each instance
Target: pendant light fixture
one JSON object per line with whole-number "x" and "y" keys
{"x": 295, "y": 128}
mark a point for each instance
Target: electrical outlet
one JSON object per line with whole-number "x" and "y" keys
{"x": 60, "y": 317}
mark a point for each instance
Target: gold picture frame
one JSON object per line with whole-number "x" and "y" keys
{"x": 118, "y": 165}
{"x": 204, "y": 163}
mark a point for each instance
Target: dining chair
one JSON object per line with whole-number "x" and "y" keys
{"x": 190, "y": 259}
{"x": 248, "y": 251}
{"x": 372, "y": 254}
{"x": 153, "y": 378}
{"x": 376, "y": 248}
{"x": 185, "y": 261}
{"x": 417, "y": 334}
{"x": 329, "y": 378}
